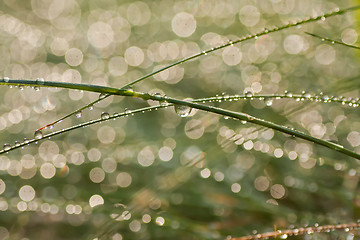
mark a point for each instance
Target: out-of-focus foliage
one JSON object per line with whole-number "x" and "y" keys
{"x": 156, "y": 175}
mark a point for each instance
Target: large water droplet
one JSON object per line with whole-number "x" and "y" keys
{"x": 78, "y": 114}
{"x": 7, "y": 147}
{"x": 17, "y": 143}
{"x": 91, "y": 107}
{"x": 6, "y": 79}
{"x": 21, "y": 87}
{"x": 105, "y": 115}
{"x": 36, "y": 88}
{"x": 38, "y": 134}
{"x": 182, "y": 110}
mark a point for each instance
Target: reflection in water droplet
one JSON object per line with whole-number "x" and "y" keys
{"x": 243, "y": 121}
{"x": 21, "y": 87}
{"x": 36, "y": 88}
{"x": 91, "y": 107}
{"x": 105, "y": 115}
{"x": 182, "y": 110}
{"x": 38, "y": 134}
{"x": 17, "y": 143}
{"x": 7, "y": 147}
{"x": 6, "y": 79}
{"x": 78, "y": 114}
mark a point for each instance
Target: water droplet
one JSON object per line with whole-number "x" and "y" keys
{"x": 91, "y": 107}
{"x": 332, "y": 42}
{"x": 248, "y": 94}
{"x": 323, "y": 18}
{"x": 51, "y": 126}
{"x": 162, "y": 102}
{"x": 26, "y": 140}
{"x": 284, "y": 236}
{"x": 17, "y": 143}
{"x": 204, "y": 52}
{"x": 182, "y": 110}
{"x": 40, "y": 81}
{"x": 6, "y": 79}
{"x": 36, "y": 88}
{"x": 256, "y": 37}
{"x": 7, "y": 147}
{"x": 323, "y": 39}
{"x": 21, "y": 87}
{"x": 127, "y": 111}
{"x": 128, "y": 88}
{"x": 78, "y": 114}
{"x": 226, "y": 117}
{"x": 243, "y": 121}
{"x": 105, "y": 115}
{"x": 38, "y": 134}
{"x": 268, "y": 101}
{"x": 102, "y": 95}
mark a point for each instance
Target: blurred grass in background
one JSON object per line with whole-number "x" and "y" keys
{"x": 159, "y": 176}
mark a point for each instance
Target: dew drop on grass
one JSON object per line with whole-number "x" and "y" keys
{"x": 248, "y": 94}
{"x": 36, "y": 88}
{"x": 268, "y": 101}
{"x": 128, "y": 88}
{"x": 6, "y": 79}
{"x": 127, "y": 111}
{"x": 38, "y": 134}
{"x": 102, "y": 95}
{"x": 243, "y": 121}
{"x": 284, "y": 236}
{"x": 288, "y": 94}
{"x": 7, "y": 147}
{"x": 105, "y": 115}
{"x": 78, "y": 114}
{"x": 40, "y": 81}
{"x": 162, "y": 102}
{"x": 21, "y": 87}
{"x": 91, "y": 107}
{"x": 17, "y": 143}
{"x": 182, "y": 110}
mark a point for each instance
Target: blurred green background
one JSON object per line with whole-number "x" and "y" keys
{"x": 156, "y": 175}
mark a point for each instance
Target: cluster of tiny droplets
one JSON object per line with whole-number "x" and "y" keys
{"x": 284, "y": 234}
{"x": 268, "y": 99}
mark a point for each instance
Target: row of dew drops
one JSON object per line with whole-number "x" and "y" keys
{"x": 185, "y": 111}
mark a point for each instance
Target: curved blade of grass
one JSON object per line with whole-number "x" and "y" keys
{"x": 248, "y": 37}
{"x": 332, "y": 41}
{"x": 220, "y": 111}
